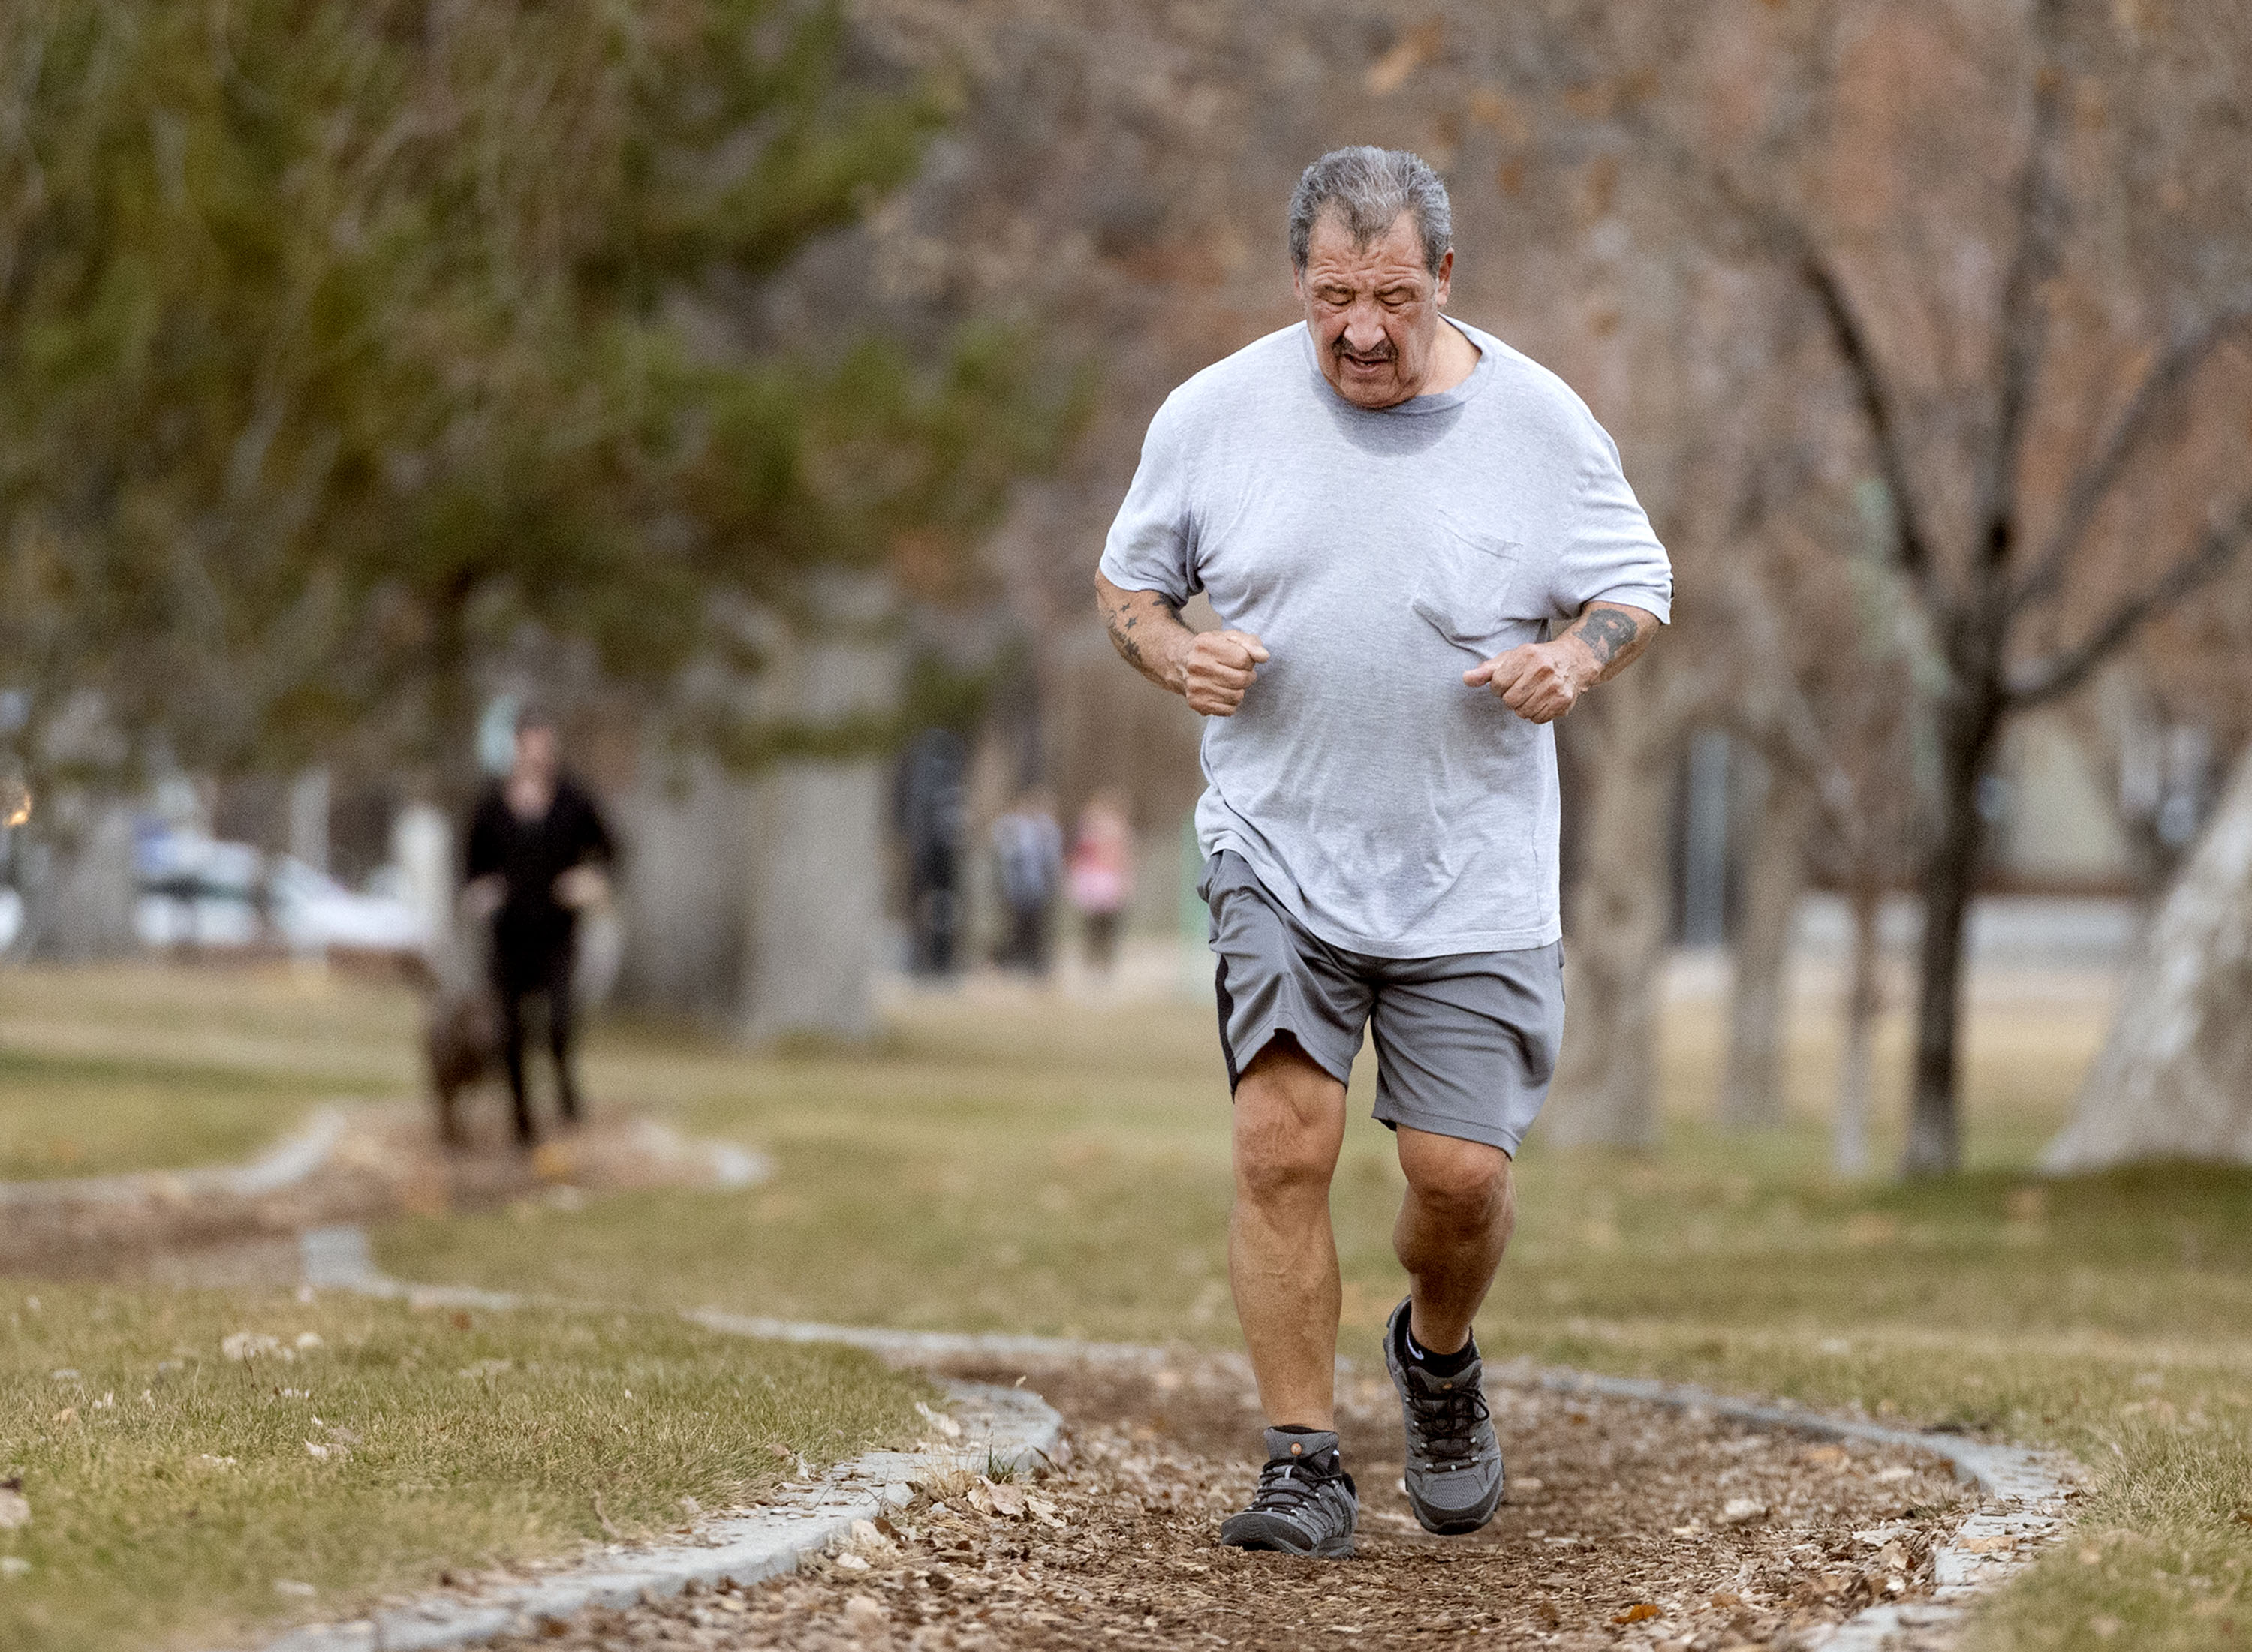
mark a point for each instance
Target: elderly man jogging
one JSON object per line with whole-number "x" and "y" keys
{"x": 1392, "y": 513}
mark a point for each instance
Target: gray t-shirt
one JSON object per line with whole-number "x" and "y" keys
{"x": 1391, "y": 809}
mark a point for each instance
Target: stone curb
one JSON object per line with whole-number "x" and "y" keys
{"x": 2027, "y": 1489}
{"x": 1004, "y": 1430}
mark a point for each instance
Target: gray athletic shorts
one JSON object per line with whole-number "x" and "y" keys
{"x": 1465, "y": 1045}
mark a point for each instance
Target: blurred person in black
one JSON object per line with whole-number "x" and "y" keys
{"x": 538, "y": 855}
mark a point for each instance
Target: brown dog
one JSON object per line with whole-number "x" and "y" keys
{"x": 461, "y": 1038}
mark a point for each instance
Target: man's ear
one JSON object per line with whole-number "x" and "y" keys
{"x": 1445, "y": 275}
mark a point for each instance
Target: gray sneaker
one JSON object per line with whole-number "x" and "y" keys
{"x": 1306, "y": 1503}
{"x": 1454, "y": 1477}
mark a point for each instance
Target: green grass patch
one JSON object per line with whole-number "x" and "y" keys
{"x": 87, "y": 1115}
{"x": 180, "y": 1497}
{"x": 142, "y": 1067}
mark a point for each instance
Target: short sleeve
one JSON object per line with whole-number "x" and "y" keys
{"x": 1152, "y": 543}
{"x": 1610, "y": 553}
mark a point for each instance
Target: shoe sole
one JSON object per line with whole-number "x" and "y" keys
{"x": 1453, "y": 1525}
{"x": 1270, "y": 1538}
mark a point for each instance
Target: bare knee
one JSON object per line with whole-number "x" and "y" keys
{"x": 1461, "y": 1186}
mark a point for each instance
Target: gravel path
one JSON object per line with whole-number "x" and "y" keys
{"x": 1628, "y": 1524}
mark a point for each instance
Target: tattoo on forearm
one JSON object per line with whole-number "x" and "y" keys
{"x": 1120, "y": 622}
{"x": 1606, "y": 631}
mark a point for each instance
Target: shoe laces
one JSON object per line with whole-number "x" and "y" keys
{"x": 1451, "y": 1418}
{"x": 1287, "y": 1484}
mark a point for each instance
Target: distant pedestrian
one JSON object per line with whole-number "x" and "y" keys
{"x": 1102, "y": 880}
{"x": 538, "y": 855}
{"x": 927, "y": 806}
{"x": 1028, "y": 858}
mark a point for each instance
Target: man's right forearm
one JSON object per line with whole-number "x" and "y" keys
{"x": 1147, "y": 632}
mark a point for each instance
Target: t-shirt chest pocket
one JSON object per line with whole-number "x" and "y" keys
{"x": 1466, "y": 587}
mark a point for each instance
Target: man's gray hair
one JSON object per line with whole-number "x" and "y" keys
{"x": 1370, "y": 188}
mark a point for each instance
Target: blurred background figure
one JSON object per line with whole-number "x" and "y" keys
{"x": 538, "y": 855}
{"x": 1101, "y": 876}
{"x": 1028, "y": 864}
{"x": 927, "y": 812}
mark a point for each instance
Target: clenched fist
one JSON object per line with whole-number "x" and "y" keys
{"x": 1539, "y": 681}
{"x": 1216, "y": 667}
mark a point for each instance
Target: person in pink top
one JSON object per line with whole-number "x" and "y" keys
{"x": 1102, "y": 879}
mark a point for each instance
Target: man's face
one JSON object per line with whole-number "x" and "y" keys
{"x": 535, "y": 751}
{"x": 1373, "y": 310}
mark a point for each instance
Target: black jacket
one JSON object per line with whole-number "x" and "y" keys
{"x": 530, "y": 855}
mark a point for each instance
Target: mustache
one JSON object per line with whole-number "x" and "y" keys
{"x": 1384, "y": 352}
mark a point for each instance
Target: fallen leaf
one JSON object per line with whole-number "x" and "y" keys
{"x": 688, "y": 1506}
{"x": 865, "y": 1612}
{"x": 940, "y": 1420}
{"x": 850, "y": 1563}
{"x": 66, "y": 1416}
{"x": 1008, "y": 1501}
{"x": 319, "y": 1454}
{"x": 1739, "y": 1511}
{"x": 15, "y": 1509}
{"x": 1727, "y": 1598}
{"x": 1640, "y": 1611}
{"x": 1823, "y": 1456}
{"x": 2000, "y": 1543}
{"x": 1892, "y": 1476}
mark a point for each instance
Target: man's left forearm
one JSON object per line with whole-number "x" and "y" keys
{"x": 1613, "y": 635}
{"x": 1541, "y": 681}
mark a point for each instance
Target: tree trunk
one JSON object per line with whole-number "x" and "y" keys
{"x": 815, "y": 933}
{"x": 817, "y": 903}
{"x": 1849, "y": 1147}
{"x": 1751, "y": 1093}
{"x": 80, "y": 883}
{"x": 688, "y": 862}
{"x": 2174, "y": 1080}
{"x": 1607, "y": 1081}
{"x": 422, "y": 844}
{"x": 1951, "y": 877}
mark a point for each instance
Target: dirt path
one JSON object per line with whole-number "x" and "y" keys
{"x": 1618, "y": 1533}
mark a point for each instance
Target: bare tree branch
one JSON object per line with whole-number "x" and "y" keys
{"x": 2156, "y": 396}
{"x": 1853, "y": 346}
{"x": 2021, "y": 331}
{"x": 2060, "y": 673}
{"x": 1780, "y": 235}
